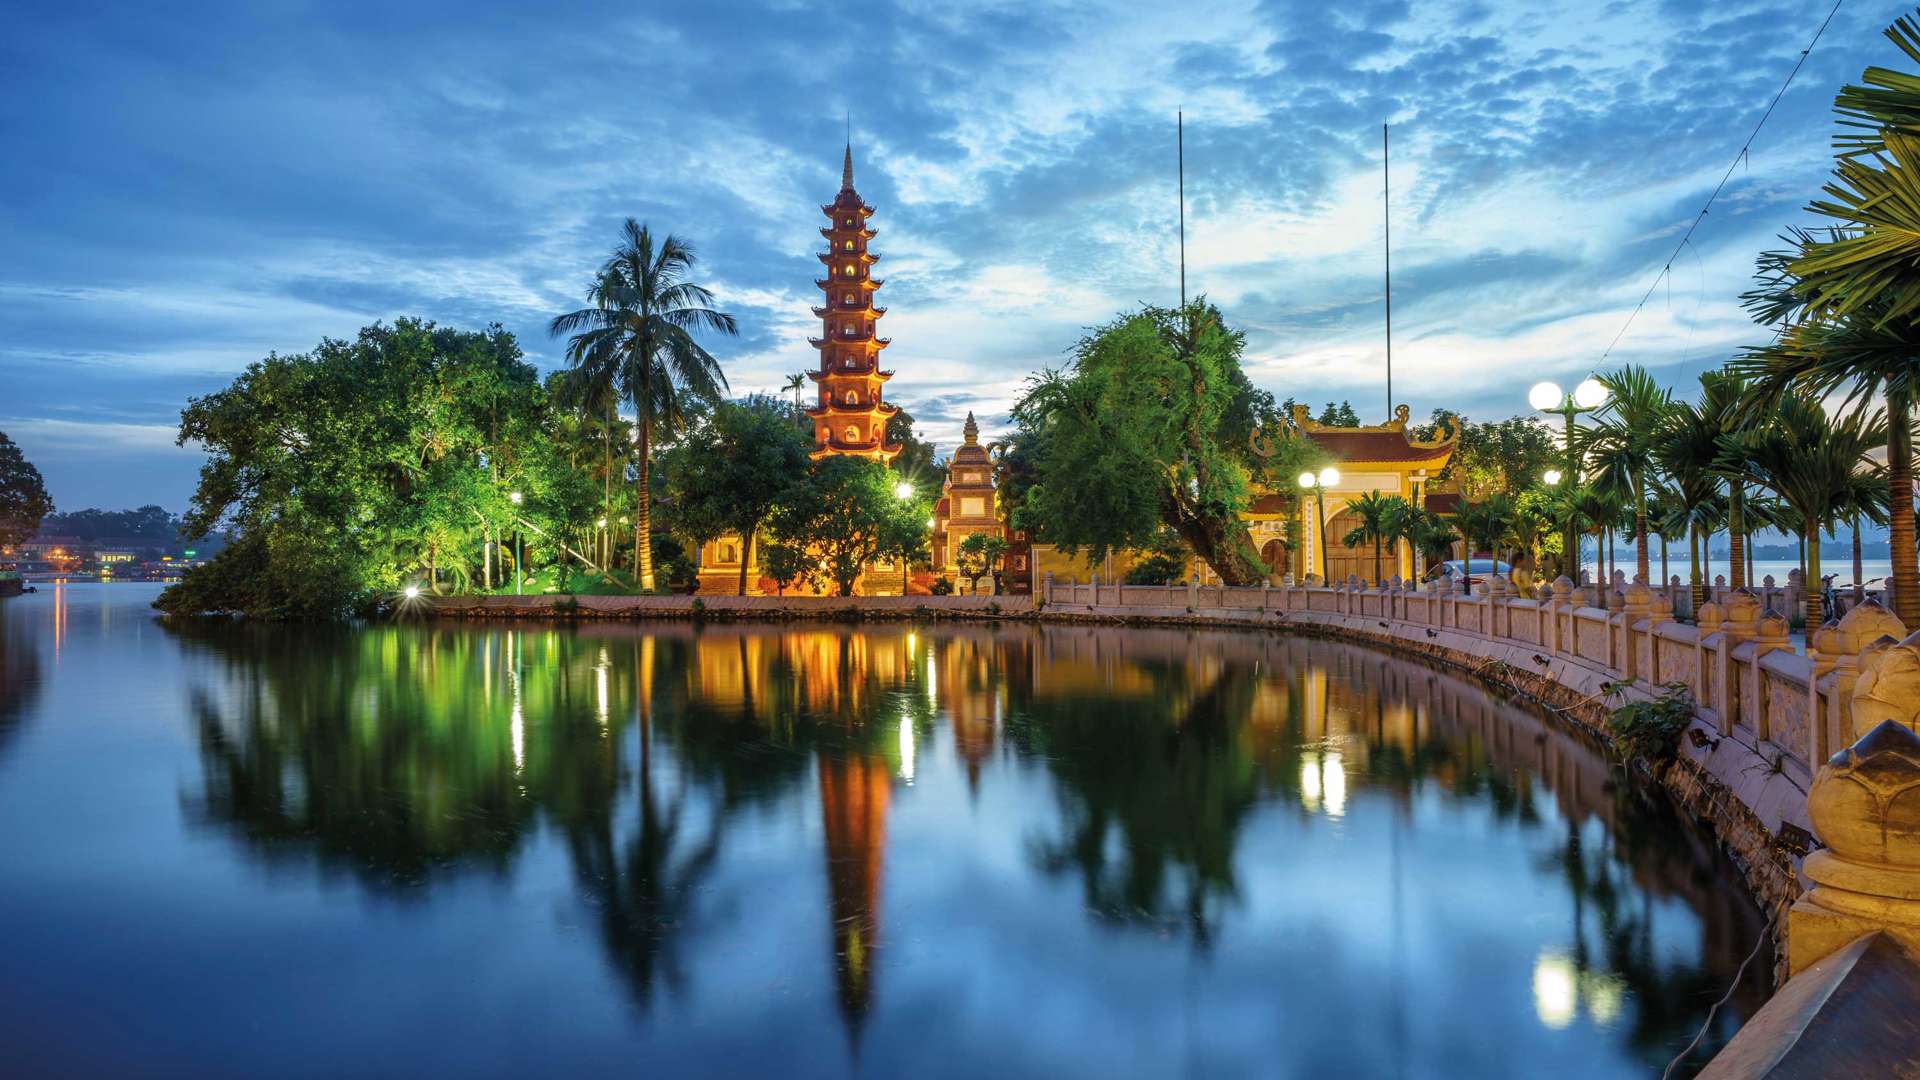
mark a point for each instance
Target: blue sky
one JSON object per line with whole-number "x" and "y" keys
{"x": 188, "y": 189}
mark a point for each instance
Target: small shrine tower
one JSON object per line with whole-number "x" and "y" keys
{"x": 849, "y": 417}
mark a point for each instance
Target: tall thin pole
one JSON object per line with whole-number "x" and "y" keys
{"x": 1180, "y": 141}
{"x": 1386, "y": 247}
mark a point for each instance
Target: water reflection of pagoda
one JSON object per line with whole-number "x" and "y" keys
{"x": 855, "y": 792}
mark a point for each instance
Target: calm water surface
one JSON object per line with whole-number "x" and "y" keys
{"x": 519, "y": 850}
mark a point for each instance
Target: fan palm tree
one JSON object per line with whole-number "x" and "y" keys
{"x": 1621, "y": 442}
{"x": 1811, "y": 461}
{"x": 638, "y": 337}
{"x": 1374, "y": 511}
{"x": 1848, "y": 300}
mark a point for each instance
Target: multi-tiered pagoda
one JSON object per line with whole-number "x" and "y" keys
{"x": 850, "y": 418}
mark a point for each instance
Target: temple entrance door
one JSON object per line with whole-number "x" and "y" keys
{"x": 1343, "y": 560}
{"x": 1274, "y": 554}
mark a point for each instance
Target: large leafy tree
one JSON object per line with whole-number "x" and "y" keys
{"x": 732, "y": 471}
{"x": 638, "y": 338}
{"x": 23, "y": 496}
{"x": 1495, "y": 455}
{"x": 344, "y": 469}
{"x": 847, "y": 513}
{"x": 1147, "y": 427}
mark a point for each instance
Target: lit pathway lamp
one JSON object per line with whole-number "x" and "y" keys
{"x": 519, "y": 550}
{"x": 904, "y": 492}
{"x": 1318, "y": 484}
{"x": 1546, "y": 397}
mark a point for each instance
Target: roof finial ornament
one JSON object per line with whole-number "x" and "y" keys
{"x": 846, "y": 167}
{"x": 971, "y": 430}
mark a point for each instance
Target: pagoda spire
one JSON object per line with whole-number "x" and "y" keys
{"x": 846, "y": 169}
{"x": 972, "y": 430}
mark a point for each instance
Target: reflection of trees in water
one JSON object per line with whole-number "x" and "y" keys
{"x": 19, "y": 678}
{"x": 1151, "y": 807}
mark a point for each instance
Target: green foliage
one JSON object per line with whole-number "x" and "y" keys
{"x": 1376, "y": 513}
{"x": 1148, "y": 427}
{"x": 23, "y": 497}
{"x": 1163, "y": 563}
{"x": 787, "y": 565}
{"x": 846, "y": 512}
{"x": 1341, "y": 415}
{"x": 1486, "y": 523}
{"x": 345, "y": 470}
{"x": 1493, "y": 456}
{"x": 942, "y": 586}
{"x": 1650, "y": 731}
{"x": 915, "y": 460}
{"x": 150, "y": 523}
{"x": 979, "y": 554}
{"x": 732, "y": 469}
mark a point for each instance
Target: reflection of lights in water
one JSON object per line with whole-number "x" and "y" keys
{"x": 1605, "y": 996}
{"x": 600, "y": 685}
{"x": 517, "y": 725}
{"x": 931, "y": 695}
{"x": 1333, "y": 781}
{"x": 913, "y": 640}
{"x": 1554, "y": 989}
{"x": 906, "y": 749}
{"x": 1323, "y": 783}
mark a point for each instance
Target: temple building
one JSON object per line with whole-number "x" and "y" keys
{"x": 969, "y": 506}
{"x": 1386, "y": 459}
{"x": 849, "y": 415}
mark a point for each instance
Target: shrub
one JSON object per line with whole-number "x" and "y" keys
{"x": 1650, "y": 731}
{"x": 941, "y": 587}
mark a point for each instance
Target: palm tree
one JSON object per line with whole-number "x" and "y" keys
{"x": 1811, "y": 462}
{"x": 1848, "y": 300}
{"x": 1485, "y": 521}
{"x": 1621, "y": 442}
{"x": 638, "y": 338}
{"x": 796, "y": 382}
{"x": 1402, "y": 522}
{"x": 1374, "y": 510}
{"x": 1524, "y": 534}
{"x": 1687, "y": 449}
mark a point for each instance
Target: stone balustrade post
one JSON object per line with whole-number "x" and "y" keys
{"x": 1742, "y": 623}
{"x": 1046, "y": 588}
{"x": 1823, "y": 652}
{"x": 1706, "y": 636}
{"x": 1635, "y": 605}
{"x": 1864, "y": 808}
{"x": 1560, "y": 633}
{"x": 1771, "y": 636}
{"x": 1867, "y": 628}
{"x": 1193, "y": 591}
{"x": 1660, "y": 614}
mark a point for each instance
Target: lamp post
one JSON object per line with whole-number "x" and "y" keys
{"x": 904, "y": 492}
{"x": 519, "y": 550}
{"x": 1547, "y": 397}
{"x": 1318, "y": 483}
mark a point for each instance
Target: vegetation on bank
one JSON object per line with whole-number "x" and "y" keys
{"x": 23, "y": 495}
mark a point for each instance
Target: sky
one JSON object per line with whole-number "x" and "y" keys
{"x": 188, "y": 189}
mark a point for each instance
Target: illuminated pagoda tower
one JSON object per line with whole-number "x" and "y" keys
{"x": 850, "y": 417}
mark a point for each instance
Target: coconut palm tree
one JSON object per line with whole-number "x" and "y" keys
{"x": 1485, "y": 522}
{"x": 1621, "y": 442}
{"x": 796, "y": 382}
{"x": 1847, "y": 299}
{"x": 1687, "y": 449}
{"x": 1810, "y": 461}
{"x": 638, "y": 337}
{"x": 1374, "y": 510}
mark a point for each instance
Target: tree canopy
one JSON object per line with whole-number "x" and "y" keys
{"x": 23, "y": 496}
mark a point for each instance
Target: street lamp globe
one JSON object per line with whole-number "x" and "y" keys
{"x": 515, "y": 497}
{"x": 1306, "y": 479}
{"x": 1329, "y": 476}
{"x": 413, "y": 592}
{"x": 1544, "y": 396}
{"x": 903, "y": 490}
{"x": 1590, "y": 394}
{"x": 1551, "y": 476}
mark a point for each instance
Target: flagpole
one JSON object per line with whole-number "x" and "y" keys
{"x": 1386, "y": 248}
{"x": 1180, "y": 142}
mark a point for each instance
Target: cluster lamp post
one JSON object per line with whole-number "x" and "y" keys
{"x": 1318, "y": 483}
{"x": 1547, "y": 397}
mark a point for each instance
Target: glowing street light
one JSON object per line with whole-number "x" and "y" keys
{"x": 412, "y": 592}
{"x": 903, "y": 490}
{"x": 1318, "y": 484}
{"x": 515, "y": 498}
{"x": 519, "y": 549}
{"x": 1551, "y": 477}
{"x": 1591, "y": 394}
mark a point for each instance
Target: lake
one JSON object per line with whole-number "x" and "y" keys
{"x": 469, "y": 849}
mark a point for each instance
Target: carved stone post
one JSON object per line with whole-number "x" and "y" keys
{"x": 1561, "y": 608}
{"x": 1862, "y": 629}
{"x": 1706, "y": 644}
{"x": 1046, "y": 588}
{"x": 1865, "y": 807}
{"x": 1742, "y": 623}
{"x": 1634, "y": 608}
{"x": 1770, "y": 637}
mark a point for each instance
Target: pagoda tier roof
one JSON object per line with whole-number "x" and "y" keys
{"x": 1387, "y": 444}
{"x": 863, "y": 339}
{"x": 835, "y": 209}
{"x": 871, "y": 312}
{"x": 823, "y": 376}
{"x": 865, "y": 283}
{"x": 880, "y": 408}
{"x": 868, "y": 257}
{"x": 876, "y": 448}
{"x": 866, "y": 232}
